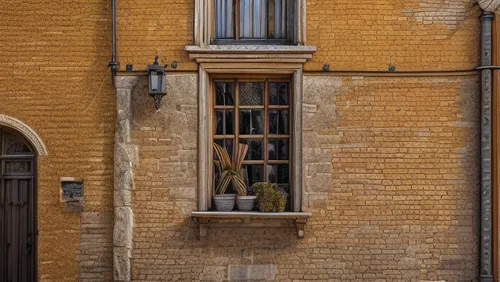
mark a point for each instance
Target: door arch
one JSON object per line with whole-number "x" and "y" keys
{"x": 18, "y": 206}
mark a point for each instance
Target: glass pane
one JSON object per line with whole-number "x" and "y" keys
{"x": 278, "y": 149}
{"x": 253, "y": 18}
{"x": 255, "y": 149}
{"x": 280, "y": 18}
{"x": 16, "y": 146}
{"x": 154, "y": 81}
{"x": 252, "y": 174}
{"x": 224, "y": 122}
{"x": 229, "y": 122}
{"x": 278, "y": 93}
{"x": 251, "y": 122}
{"x": 252, "y": 93}
{"x": 278, "y": 122}
{"x": 224, "y": 19}
{"x": 15, "y": 167}
{"x": 219, "y": 122}
{"x": 224, "y": 94}
{"x": 278, "y": 173}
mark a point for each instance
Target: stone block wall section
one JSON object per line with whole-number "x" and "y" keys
{"x": 390, "y": 175}
{"x": 126, "y": 157}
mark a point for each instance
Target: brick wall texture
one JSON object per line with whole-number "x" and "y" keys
{"x": 390, "y": 173}
{"x": 390, "y": 163}
{"x": 349, "y": 35}
{"x": 53, "y": 77}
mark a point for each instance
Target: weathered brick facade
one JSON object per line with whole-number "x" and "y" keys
{"x": 390, "y": 162}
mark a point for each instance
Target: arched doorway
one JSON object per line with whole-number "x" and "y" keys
{"x": 18, "y": 226}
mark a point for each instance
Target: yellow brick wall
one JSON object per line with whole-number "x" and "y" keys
{"x": 145, "y": 28}
{"x": 413, "y": 35}
{"x": 350, "y": 35}
{"x": 53, "y": 77}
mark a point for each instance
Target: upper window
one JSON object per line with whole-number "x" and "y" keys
{"x": 254, "y": 21}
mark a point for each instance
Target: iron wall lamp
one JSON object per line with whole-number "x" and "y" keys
{"x": 157, "y": 82}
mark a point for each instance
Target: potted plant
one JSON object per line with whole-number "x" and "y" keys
{"x": 246, "y": 202}
{"x": 270, "y": 197}
{"x": 230, "y": 171}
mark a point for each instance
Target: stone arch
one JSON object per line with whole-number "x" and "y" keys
{"x": 489, "y": 5}
{"x": 27, "y": 131}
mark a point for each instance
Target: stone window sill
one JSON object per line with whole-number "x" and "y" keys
{"x": 252, "y": 53}
{"x": 251, "y": 49}
{"x": 206, "y": 219}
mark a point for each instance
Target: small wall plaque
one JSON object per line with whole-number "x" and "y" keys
{"x": 72, "y": 194}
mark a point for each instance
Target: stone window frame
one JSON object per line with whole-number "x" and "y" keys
{"x": 204, "y": 17}
{"x": 205, "y": 124}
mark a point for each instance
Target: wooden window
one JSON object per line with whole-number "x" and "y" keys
{"x": 254, "y": 21}
{"x": 257, "y": 112}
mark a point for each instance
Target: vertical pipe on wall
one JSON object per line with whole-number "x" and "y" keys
{"x": 486, "y": 148}
{"x": 113, "y": 64}
{"x": 495, "y": 143}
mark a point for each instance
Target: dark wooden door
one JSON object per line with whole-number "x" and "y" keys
{"x": 17, "y": 209}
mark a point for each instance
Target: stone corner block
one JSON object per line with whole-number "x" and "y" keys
{"x": 121, "y": 264}
{"x": 123, "y": 229}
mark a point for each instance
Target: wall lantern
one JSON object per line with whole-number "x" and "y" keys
{"x": 157, "y": 82}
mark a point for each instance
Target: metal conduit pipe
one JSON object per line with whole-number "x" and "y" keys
{"x": 486, "y": 235}
{"x": 113, "y": 64}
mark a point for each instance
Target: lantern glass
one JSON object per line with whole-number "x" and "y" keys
{"x": 155, "y": 82}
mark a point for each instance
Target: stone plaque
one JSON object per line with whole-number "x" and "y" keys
{"x": 72, "y": 195}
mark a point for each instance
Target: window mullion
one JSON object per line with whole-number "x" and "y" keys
{"x": 236, "y": 5}
{"x": 236, "y": 114}
{"x": 266, "y": 129}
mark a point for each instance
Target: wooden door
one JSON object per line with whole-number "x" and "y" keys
{"x": 17, "y": 209}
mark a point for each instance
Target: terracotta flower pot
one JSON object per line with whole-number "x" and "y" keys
{"x": 225, "y": 202}
{"x": 246, "y": 203}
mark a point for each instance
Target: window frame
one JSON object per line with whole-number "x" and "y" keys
{"x": 291, "y": 26}
{"x": 207, "y": 73}
{"x": 204, "y": 26}
{"x": 266, "y": 107}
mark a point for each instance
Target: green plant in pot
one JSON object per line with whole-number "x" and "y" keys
{"x": 270, "y": 197}
{"x": 229, "y": 172}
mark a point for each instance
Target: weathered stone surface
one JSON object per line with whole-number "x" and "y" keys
{"x": 122, "y": 197}
{"x": 213, "y": 273}
{"x": 489, "y": 5}
{"x": 123, "y": 104}
{"x": 252, "y": 272}
{"x": 121, "y": 263}
{"x": 122, "y": 132}
{"x": 124, "y": 179}
{"x": 187, "y": 193}
{"x": 124, "y": 222}
{"x": 408, "y": 263}
{"x": 126, "y": 82}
